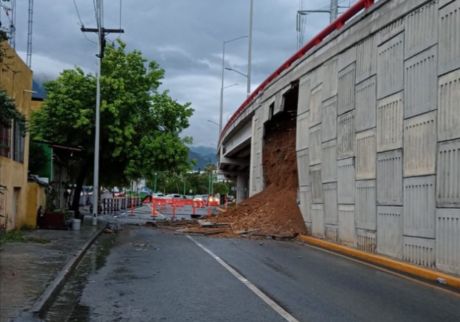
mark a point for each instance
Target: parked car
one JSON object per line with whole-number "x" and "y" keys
{"x": 158, "y": 195}
{"x": 174, "y": 196}
{"x": 230, "y": 198}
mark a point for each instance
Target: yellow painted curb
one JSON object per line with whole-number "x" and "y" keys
{"x": 422, "y": 272}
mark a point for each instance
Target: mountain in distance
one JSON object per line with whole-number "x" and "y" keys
{"x": 203, "y": 155}
{"x": 39, "y": 89}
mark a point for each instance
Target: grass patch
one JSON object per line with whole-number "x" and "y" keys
{"x": 17, "y": 236}
{"x": 14, "y": 236}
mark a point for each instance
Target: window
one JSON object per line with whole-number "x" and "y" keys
{"x": 18, "y": 144}
{"x": 5, "y": 141}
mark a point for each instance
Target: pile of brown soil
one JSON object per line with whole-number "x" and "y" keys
{"x": 274, "y": 211}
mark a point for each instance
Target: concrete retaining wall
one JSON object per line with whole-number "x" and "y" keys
{"x": 378, "y": 132}
{"x": 379, "y": 129}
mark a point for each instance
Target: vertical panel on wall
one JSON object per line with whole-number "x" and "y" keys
{"x": 389, "y": 178}
{"x": 419, "y": 207}
{"x": 449, "y": 38}
{"x": 448, "y": 240}
{"x": 346, "y": 181}
{"x": 329, "y": 164}
{"x": 448, "y": 106}
{"x": 420, "y": 83}
{"x": 448, "y": 174}
{"x": 303, "y": 104}
{"x": 329, "y": 119}
{"x": 420, "y": 145}
{"x": 347, "y": 225}
{"x": 366, "y": 58}
{"x": 366, "y": 102}
{"x": 366, "y": 209}
{"x": 347, "y": 57}
{"x": 366, "y": 155}
{"x": 317, "y": 224}
{"x": 346, "y": 135}
{"x": 390, "y": 123}
{"x": 303, "y": 167}
{"x": 421, "y": 29}
{"x": 331, "y": 233}
{"x": 396, "y": 27}
{"x": 330, "y": 203}
{"x": 305, "y": 203}
{"x": 346, "y": 92}
{"x": 316, "y": 184}
{"x": 302, "y": 131}
{"x": 419, "y": 251}
{"x": 389, "y": 231}
{"x": 315, "y": 105}
{"x": 315, "y": 145}
{"x": 330, "y": 78}
{"x": 390, "y": 66}
{"x": 366, "y": 240}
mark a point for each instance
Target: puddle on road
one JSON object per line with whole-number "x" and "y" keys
{"x": 66, "y": 307}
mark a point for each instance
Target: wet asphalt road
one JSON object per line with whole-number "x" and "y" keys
{"x": 170, "y": 278}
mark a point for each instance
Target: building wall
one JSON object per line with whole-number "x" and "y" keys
{"x": 14, "y": 80}
{"x": 36, "y": 198}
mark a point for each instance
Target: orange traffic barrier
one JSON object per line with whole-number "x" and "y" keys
{"x": 173, "y": 212}
{"x": 209, "y": 211}
{"x": 153, "y": 209}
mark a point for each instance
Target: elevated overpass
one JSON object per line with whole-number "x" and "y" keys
{"x": 376, "y": 96}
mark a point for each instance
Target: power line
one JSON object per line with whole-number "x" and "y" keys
{"x": 81, "y": 22}
{"x": 78, "y": 12}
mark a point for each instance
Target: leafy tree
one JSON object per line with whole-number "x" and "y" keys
{"x": 210, "y": 168}
{"x": 140, "y": 127}
{"x": 37, "y": 157}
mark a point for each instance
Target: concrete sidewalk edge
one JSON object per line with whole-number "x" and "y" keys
{"x": 414, "y": 270}
{"x": 56, "y": 285}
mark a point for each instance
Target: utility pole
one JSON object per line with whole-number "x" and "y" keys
{"x": 251, "y": 11}
{"x": 101, "y": 32}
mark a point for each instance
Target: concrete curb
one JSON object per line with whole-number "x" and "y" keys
{"x": 414, "y": 270}
{"x": 56, "y": 285}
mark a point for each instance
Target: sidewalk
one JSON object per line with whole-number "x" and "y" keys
{"x": 26, "y": 269}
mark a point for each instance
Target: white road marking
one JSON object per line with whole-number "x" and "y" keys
{"x": 246, "y": 282}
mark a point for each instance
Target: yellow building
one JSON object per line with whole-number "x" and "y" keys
{"x": 16, "y": 81}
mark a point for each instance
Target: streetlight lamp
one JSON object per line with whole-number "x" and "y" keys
{"x": 234, "y": 70}
{"x": 213, "y": 122}
{"x": 222, "y": 86}
{"x": 251, "y": 14}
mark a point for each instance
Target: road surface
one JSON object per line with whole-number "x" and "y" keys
{"x": 144, "y": 274}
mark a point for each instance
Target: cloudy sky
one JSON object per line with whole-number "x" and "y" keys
{"x": 184, "y": 36}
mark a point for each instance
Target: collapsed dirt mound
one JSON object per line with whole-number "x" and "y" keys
{"x": 274, "y": 211}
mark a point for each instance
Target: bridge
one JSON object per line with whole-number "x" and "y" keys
{"x": 375, "y": 99}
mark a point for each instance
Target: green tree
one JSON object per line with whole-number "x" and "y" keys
{"x": 210, "y": 168}
{"x": 140, "y": 126}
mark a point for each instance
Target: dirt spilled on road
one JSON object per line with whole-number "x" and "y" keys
{"x": 274, "y": 211}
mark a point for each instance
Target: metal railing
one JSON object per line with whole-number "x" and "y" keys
{"x": 335, "y": 25}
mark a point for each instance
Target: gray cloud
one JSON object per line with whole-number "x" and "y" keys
{"x": 184, "y": 36}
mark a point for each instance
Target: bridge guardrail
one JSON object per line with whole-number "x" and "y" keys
{"x": 335, "y": 25}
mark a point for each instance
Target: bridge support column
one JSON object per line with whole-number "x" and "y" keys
{"x": 242, "y": 187}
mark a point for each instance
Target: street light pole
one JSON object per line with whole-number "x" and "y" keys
{"x": 250, "y": 47}
{"x": 222, "y": 84}
{"x": 155, "y": 183}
